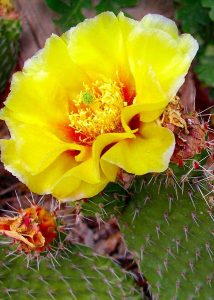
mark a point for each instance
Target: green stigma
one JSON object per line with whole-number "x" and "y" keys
{"x": 87, "y": 98}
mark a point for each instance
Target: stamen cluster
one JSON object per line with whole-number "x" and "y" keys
{"x": 97, "y": 110}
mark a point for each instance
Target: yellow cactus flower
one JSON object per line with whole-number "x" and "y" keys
{"x": 89, "y": 103}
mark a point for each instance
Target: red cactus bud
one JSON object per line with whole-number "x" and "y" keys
{"x": 189, "y": 133}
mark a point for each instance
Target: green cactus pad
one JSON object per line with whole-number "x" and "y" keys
{"x": 110, "y": 202}
{"x": 10, "y": 31}
{"x": 76, "y": 274}
{"x": 171, "y": 230}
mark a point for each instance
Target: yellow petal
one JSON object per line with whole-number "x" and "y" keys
{"x": 35, "y": 147}
{"x": 110, "y": 171}
{"x": 127, "y": 114}
{"x": 126, "y": 25}
{"x": 84, "y": 190}
{"x": 159, "y": 59}
{"x": 37, "y": 100}
{"x": 150, "y": 94}
{"x": 84, "y": 154}
{"x": 102, "y": 143}
{"x": 55, "y": 60}
{"x": 149, "y": 152}
{"x": 150, "y": 100}
{"x": 43, "y": 91}
{"x": 108, "y": 139}
{"x": 159, "y": 22}
{"x": 44, "y": 182}
{"x": 89, "y": 170}
{"x": 66, "y": 186}
{"x": 97, "y": 46}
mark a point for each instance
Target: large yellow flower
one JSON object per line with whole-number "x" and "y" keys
{"x": 88, "y": 103}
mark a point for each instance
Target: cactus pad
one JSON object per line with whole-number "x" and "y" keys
{"x": 76, "y": 273}
{"x": 171, "y": 230}
{"x": 110, "y": 202}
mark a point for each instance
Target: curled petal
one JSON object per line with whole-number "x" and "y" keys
{"x": 128, "y": 113}
{"x": 89, "y": 171}
{"x": 35, "y": 147}
{"x": 101, "y": 145}
{"x": 150, "y": 151}
{"x": 43, "y": 182}
{"x": 70, "y": 190}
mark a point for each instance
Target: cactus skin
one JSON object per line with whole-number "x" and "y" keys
{"x": 10, "y": 31}
{"x": 172, "y": 234}
{"x": 77, "y": 274}
{"x": 110, "y": 202}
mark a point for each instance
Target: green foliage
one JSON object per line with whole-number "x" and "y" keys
{"x": 193, "y": 17}
{"x": 170, "y": 227}
{"x": 205, "y": 67}
{"x": 209, "y": 4}
{"x": 197, "y": 18}
{"x": 72, "y": 12}
{"x": 114, "y": 5}
{"x": 75, "y": 273}
{"x": 10, "y": 31}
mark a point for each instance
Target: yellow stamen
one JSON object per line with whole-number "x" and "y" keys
{"x": 98, "y": 110}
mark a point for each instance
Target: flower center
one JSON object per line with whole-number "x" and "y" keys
{"x": 97, "y": 110}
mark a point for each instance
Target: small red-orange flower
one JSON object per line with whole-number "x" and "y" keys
{"x": 33, "y": 229}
